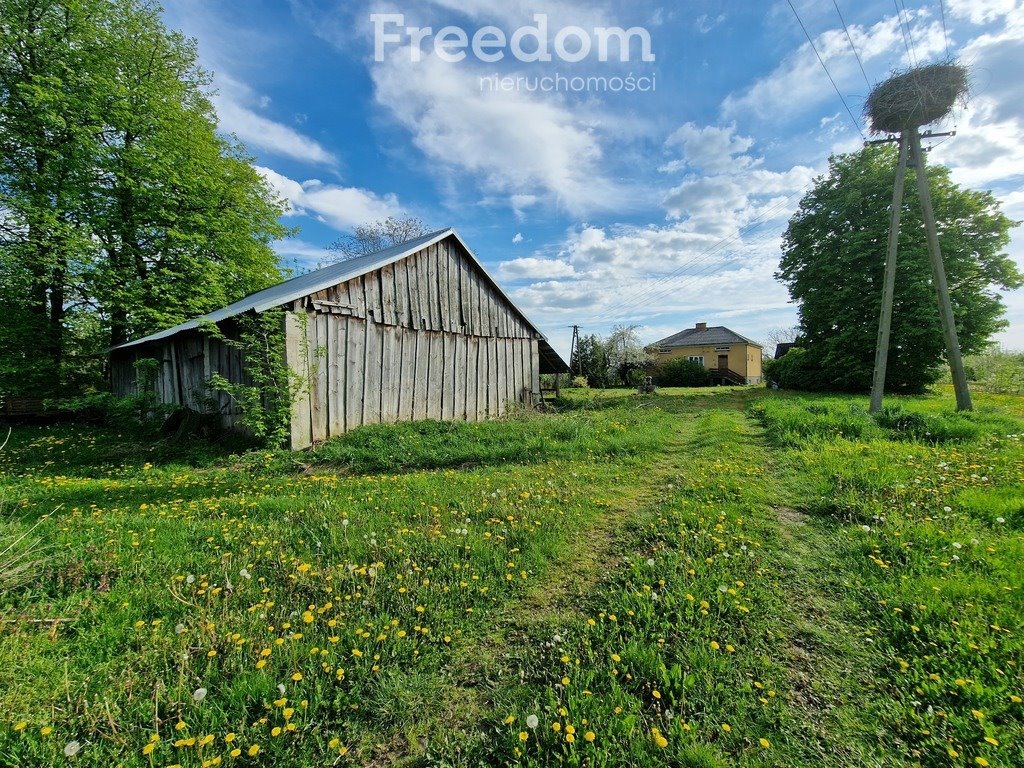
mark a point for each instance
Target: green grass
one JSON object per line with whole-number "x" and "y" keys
{"x": 697, "y": 578}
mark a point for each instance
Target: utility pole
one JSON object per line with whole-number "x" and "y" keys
{"x": 574, "y": 348}
{"x": 911, "y": 154}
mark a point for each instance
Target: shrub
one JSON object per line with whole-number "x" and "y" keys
{"x": 580, "y": 382}
{"x": 794, "y": 370}
{"x": 681, "y": 372}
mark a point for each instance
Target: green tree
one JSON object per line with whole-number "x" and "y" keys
{"x": 590, "y": 359}
{"x": 123, "y": 209}
{"x": 833, "y": 260}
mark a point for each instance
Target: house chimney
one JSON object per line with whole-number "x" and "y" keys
{"x": 702, "y": 326}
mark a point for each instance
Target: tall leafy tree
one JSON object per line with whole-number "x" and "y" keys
{"x": 123, "y": 209}
{"x": 833, "y": 261}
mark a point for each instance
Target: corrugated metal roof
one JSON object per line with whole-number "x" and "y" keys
{"x": 699, "y": 337}
{"x": 303, "y": 285}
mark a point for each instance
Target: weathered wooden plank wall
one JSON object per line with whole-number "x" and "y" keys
{"x": 426, "y": 338}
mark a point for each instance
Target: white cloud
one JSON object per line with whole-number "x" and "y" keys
{"x": 982, "y": 11}
{"x": 535, "y": 269}
{"x": 339, "y": 207}
{"x": 705, "y": 22}
{"x": 517, "y": 237}
{"x": 712, "y": 149}
{"x": 306, "y": 255}
{"x": 234, "y": 103}
{"x": 516, "y": 144}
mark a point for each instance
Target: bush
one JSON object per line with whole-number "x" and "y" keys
{"x": 681, "y": 372}
{"x": 794, "y": 370}
{"x": 997, "y": 371}
{"x": 580, "y": 382}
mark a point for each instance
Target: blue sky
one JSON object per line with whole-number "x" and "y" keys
{"x": 658, "y": 207}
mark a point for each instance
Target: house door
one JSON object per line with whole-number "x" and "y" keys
{"x": 723, "y": 362}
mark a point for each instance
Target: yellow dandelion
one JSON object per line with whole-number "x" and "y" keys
{"x": 523, "y": 735}
{"x": 765, "y": 743}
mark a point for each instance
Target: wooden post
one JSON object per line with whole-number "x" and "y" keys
{"x": 956, "y": 363}
{"x": 889, "y": 283}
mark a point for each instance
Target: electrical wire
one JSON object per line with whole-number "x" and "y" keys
{"x": 945, "y": 37}
{"x": 852, "y": 46}
{"x": 829, "y": 74}
{"x": 903, "y": 30}
{"x": 643, "y": 296}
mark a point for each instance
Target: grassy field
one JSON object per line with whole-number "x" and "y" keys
{"x": 698, "y": 578}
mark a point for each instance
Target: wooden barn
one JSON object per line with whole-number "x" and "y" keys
{"x": 417, "y": 331}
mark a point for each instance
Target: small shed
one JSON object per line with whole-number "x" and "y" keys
{"x": 416, "y": 331}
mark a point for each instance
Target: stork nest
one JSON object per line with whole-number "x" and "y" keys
{"x": 916, "y": 97}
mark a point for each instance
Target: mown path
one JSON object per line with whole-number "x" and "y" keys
{"x": 804, "y": 636}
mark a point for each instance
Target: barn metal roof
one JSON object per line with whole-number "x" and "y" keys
{"x": 311, "y": 282}
{"x": 699, "y": 337}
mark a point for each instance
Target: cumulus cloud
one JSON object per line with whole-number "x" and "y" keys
{"x": 711, "y": 148}
{"x": 517, "y": 237}
{"x": 338, "y": 206}
{"x": 535, "y": 269}
{"x": 516, "y": 144}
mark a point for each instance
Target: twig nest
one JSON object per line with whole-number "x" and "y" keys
{"x": 919, "y": 96}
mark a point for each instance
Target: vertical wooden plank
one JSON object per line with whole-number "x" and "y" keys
{"x": 459, "y": 374}
{"x": 387, "y": 295}
{"x": 435, "y": 375}
{"x": 450, "y": 381}
{"x": 493, "y": 380}
{"x": 401, "y": 294}
{"x": 482, "y": 404}
{"x": 372, "y": 355}
{"x": 464, "y": 314}
{"x": 407, "y": 375}
{"x": 472, "y": 354}
{"x": 317, "y": 364}
{"x": 355, "y": 373}
{"x": 371, "y": 290}
{"x": 341, "y": 385}
{"x": 424, "y": 290}
{"x": 469, "y": 297}
{"x": 301, "y": 423}
{"x": 428, "y": 265}
{"x": 412, "y": 285}
{"x": 534, "y": 367}
{"x": 391, "y": 368}
{"x": 335, "y": 377}
{"x": 502, "y": 379}
{"x": 444, "y": 288}
{"x": 357, "y": 296}
{"x": 422, "y": 365}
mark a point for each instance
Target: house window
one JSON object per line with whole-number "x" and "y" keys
{"x": 697, "y": 359}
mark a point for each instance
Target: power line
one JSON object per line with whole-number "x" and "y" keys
{"x": 708, "y": 271}
{"x": 822, "y": 62}
{"x": 903, "y": 30}
{"x": 945, "y": 37}
{"x": 644, "y": 294}
{"x": 910, "y": 31}
{"x": 648, "y": 296}
{"x": 852, "y": 46}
